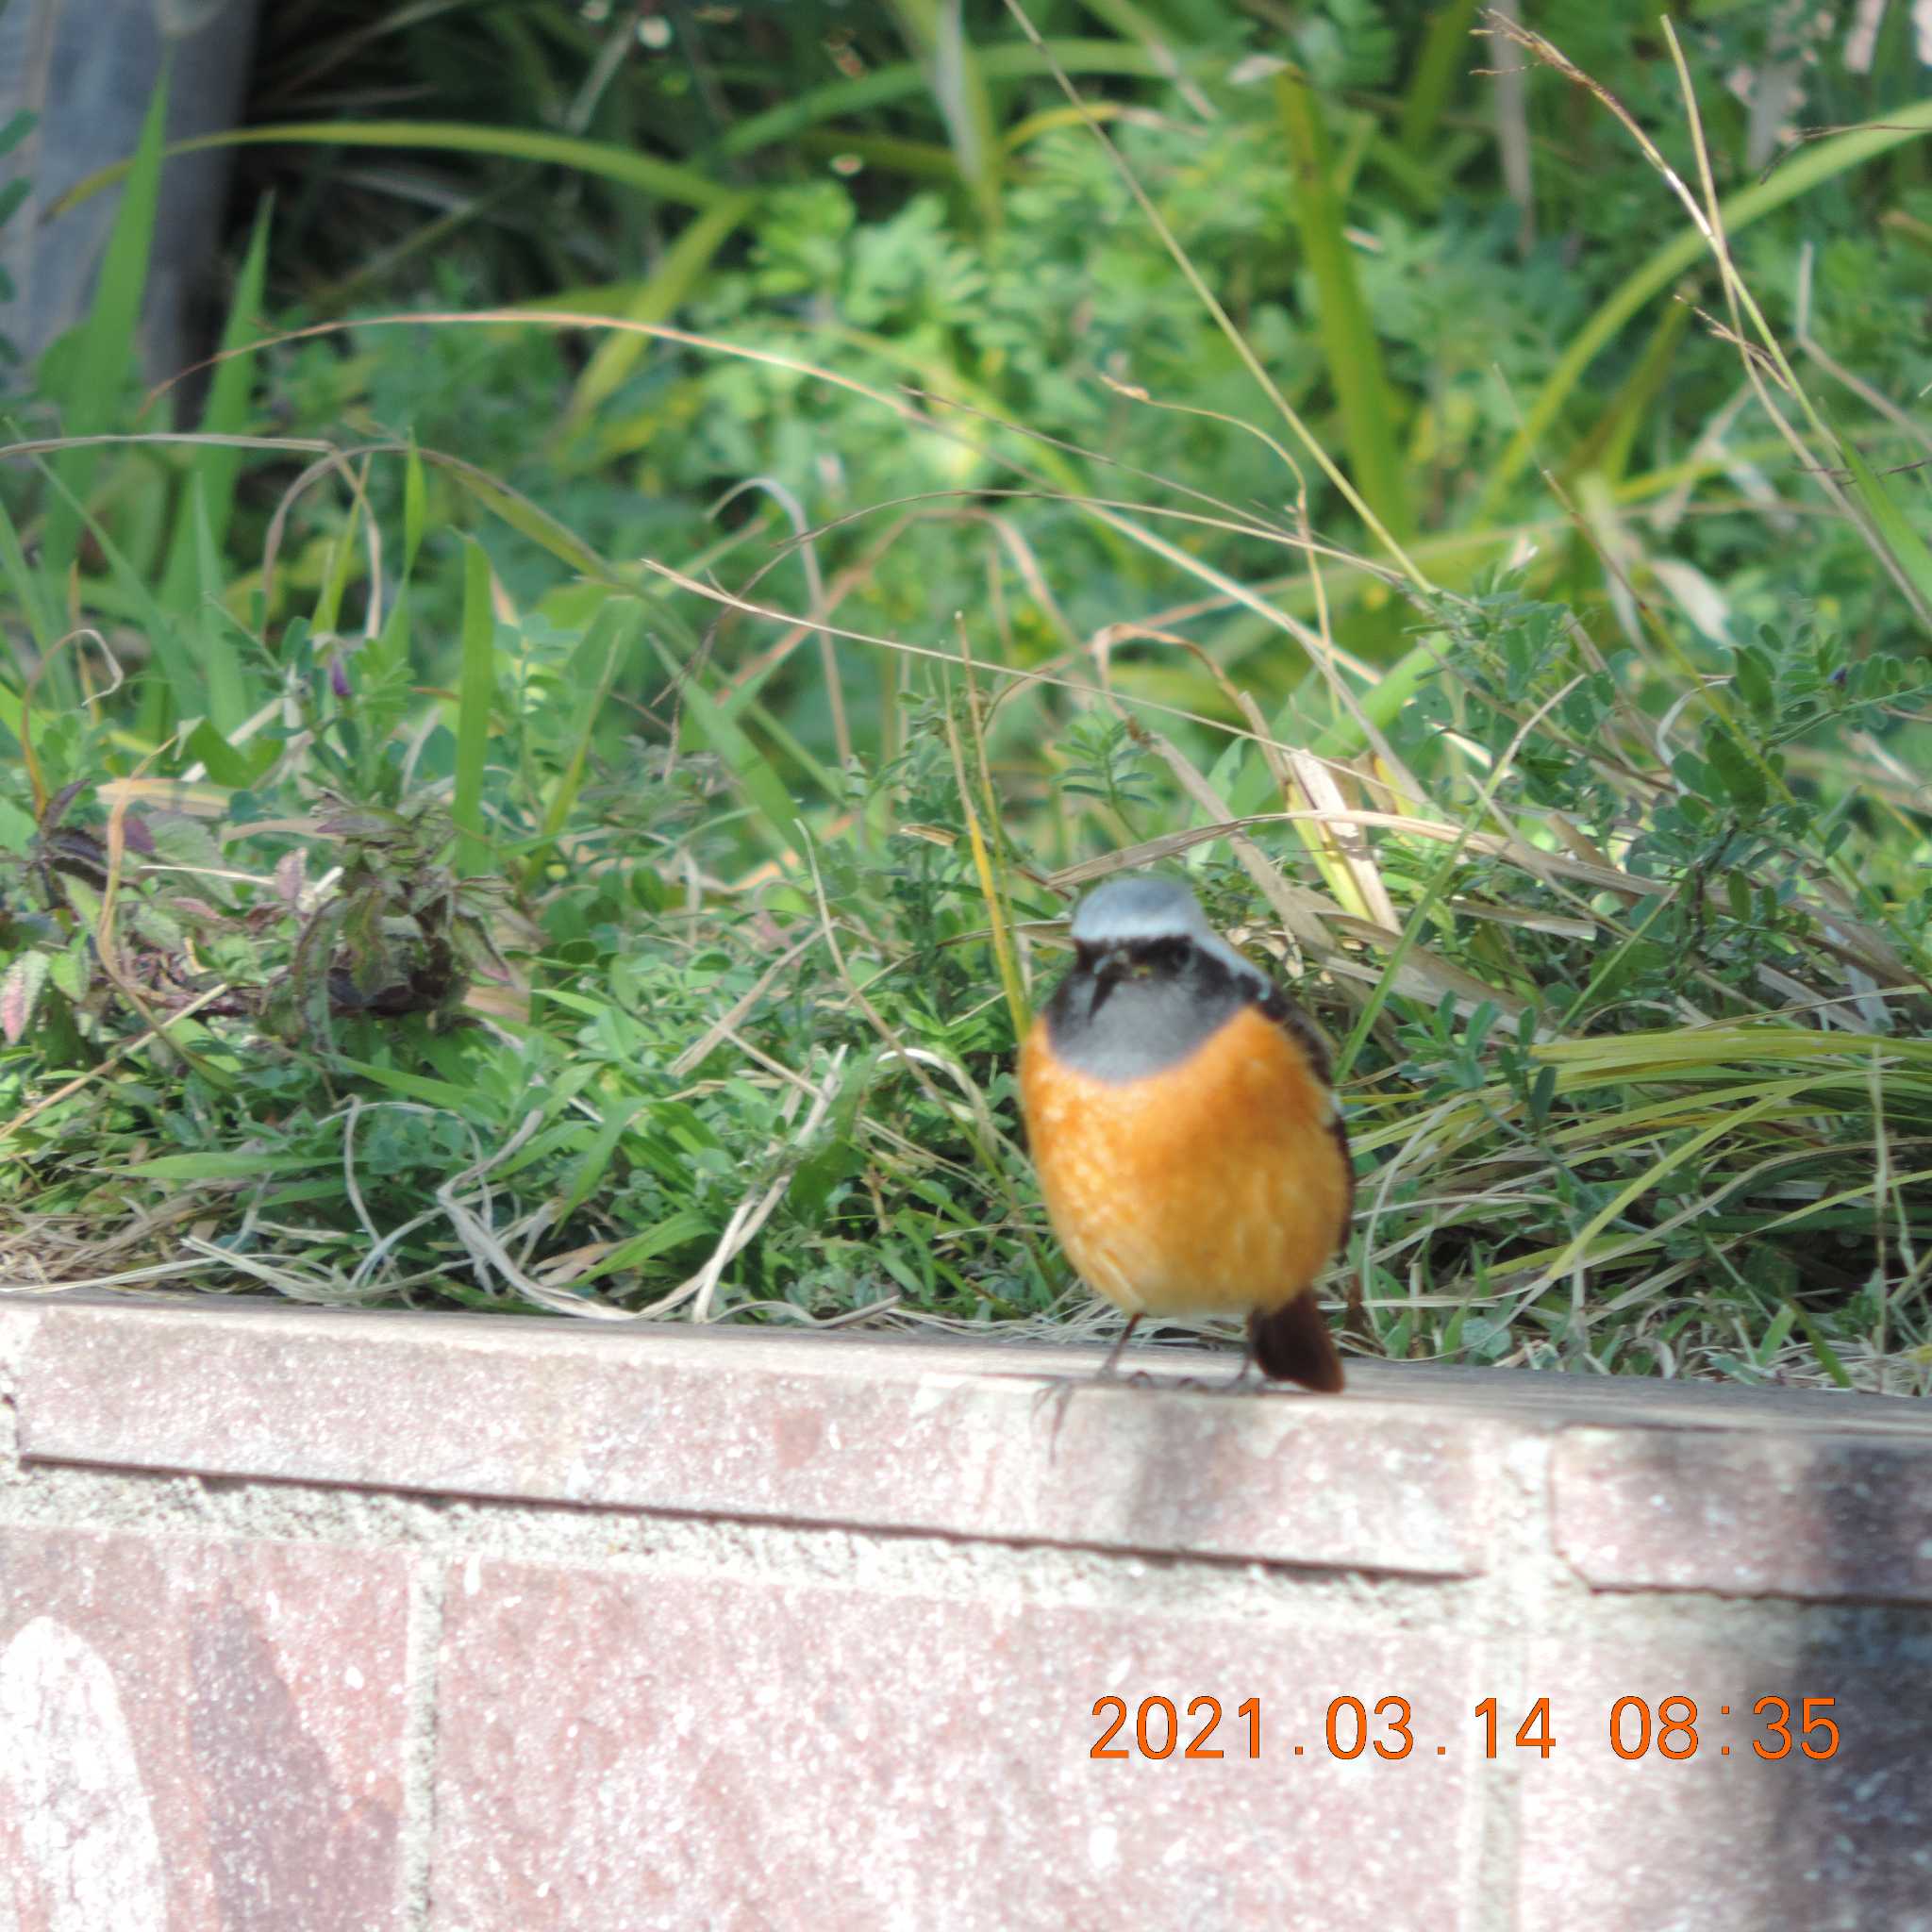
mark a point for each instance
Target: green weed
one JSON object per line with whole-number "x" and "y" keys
{"x": 469, "y": 845}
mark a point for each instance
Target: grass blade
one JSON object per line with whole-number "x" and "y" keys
{"x": 1809, "y": 169}
{"x": 712, "y": 722}
{"x": 1348, "y": 336}
{"x": 216, "y": 465}
{"x": 936, "y": 34}
{"x": 89, "y": 389}
{"x": 1889, "y": 523}
{"x": 476, "y": 691}
{"x": 1010, "y": 60}
{"x": 607, "y": 159}
{"x": 1442, "y": 61}
{"x": 27, "y": 587}
{"x": 657, "y": 299}
{"x": 184, "y": 679}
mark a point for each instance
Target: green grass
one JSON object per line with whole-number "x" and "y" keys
{"x": 468, "y": 846}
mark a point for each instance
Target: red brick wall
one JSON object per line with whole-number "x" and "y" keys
{"x": 314, "y": 1619}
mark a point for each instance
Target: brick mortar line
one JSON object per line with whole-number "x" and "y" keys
{"x": 1530, "y": 1589}
{"x": 421, "y": 1719}
{"x": 1513, "y": 1599}
{"x": 627, "y": 1541}
{"x": 1743, "y": 1622}
{"x": 16, "y": 1330}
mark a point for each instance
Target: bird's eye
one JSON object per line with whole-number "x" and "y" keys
{"x": 1166, "y": 956}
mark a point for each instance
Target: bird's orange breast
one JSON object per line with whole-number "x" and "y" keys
{"x": 1216, "y": 1184}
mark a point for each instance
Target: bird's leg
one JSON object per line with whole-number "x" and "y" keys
{"x": 1110, "y": 1370}
{"x": 1113, "y": 1361}
{"x": 1239, "y": 1379}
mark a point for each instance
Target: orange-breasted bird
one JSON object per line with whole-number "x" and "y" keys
{"x": 1185, "y": 1135}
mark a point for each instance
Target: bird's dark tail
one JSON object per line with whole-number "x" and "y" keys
{"x": 1291, "y": 1344}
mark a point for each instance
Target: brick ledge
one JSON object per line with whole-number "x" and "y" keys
{"x": 1651, "y": 1485}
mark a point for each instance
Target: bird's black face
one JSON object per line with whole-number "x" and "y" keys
{"x": 1133, "y": 1006}
{"x": 1126, "y": 960}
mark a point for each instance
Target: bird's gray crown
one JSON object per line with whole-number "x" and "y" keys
{"x": 1126, "y": 909}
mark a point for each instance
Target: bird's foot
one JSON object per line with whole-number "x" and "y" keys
{"x": 1238, "y": 1384}
{"x": 1058, "y": 1392}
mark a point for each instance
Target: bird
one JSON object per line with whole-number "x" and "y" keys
{"x": 1188, "y": 1143}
